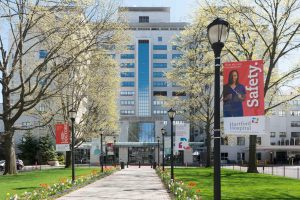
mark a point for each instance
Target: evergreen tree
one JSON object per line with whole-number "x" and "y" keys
{"x": 47, "y": 150}
{"x": 29, "y": 147}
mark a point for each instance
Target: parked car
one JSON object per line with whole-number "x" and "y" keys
{"x": 2, "y": 165}
{"x": 19, "y": 164}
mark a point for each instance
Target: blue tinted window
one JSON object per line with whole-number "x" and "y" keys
{"x": 130, "y": 47}
{"x": 160, "y": 84}
{"x": 43, "y": 54}
{"x": 127, "y": 84}
{"x": 127, "y": 56}
{"x": 175, "y": 56}
{"x": 160, "y": 47}
{"x": 127, "y": 65}
{"x": 158, "y": 74}
{"x": 159, "y": 39}
{"x": 127, "y": 74}
{"x": 146, "y": 132}
{"x": 160, "y": 65}
{"x": 143, "y": 78}
{"x": 174, "y": 47}
{"x": 160, "y": 56}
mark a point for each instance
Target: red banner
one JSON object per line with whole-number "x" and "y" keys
{"x": 62, "y": 133}
{"x": 243, "y": 89}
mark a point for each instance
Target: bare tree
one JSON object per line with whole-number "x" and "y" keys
{"x": 66, "y": 32}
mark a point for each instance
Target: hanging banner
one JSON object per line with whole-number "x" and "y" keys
{"x": 182, "y": 136}
{"x": 243, "y": 98}
{"x": 62, "y": 133}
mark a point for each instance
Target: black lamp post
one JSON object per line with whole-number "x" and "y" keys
{"x": 217, "y": 34}
{"x": 101, "y": 146}
{"x": 158, "y": 150}
{"x": 114, "y": 150}
{"x": 163, "y": 131}
{"x": 172, "y": 114}
{"x": 72, "y": 114}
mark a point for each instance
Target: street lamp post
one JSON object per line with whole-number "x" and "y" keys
{"x": 114, "y": 150}
{"x": 72, "y": 114}
{"x": 163, "y": 131}
{"x": 171, "y": 114}
{"x": 158, "y": 150}
{"x": 101, "y": 155}
{"x": 217, "y": 34}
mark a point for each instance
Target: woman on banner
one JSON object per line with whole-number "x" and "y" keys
{"x": 234, "y": 94}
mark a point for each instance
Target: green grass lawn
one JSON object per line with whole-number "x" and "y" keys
{"x": 29, "y": 181}
{"x": 240, "y": 185}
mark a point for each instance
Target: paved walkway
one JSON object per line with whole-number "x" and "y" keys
{"x": 129, "y": 183}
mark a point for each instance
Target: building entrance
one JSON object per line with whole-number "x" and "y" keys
{"x": 144, "y": 155}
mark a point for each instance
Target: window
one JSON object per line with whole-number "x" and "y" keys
{"x": 158, "y": 103}
{"x": 174, "y": 47}
{"x": 258, "y": 140}
{"x": 160, "y": 84}
{"x": 127, "y": 102}
{"x": 160, "y": 47}
{"x": 282, "y": 134}
{"x": 26, "y": 124}
{"x": 43, "y": 82}
{"x": 127, "y": 65}
{"x": 127, "y": 84}
{"x": 240, "y": 156}
{"x": 42, "y": 108}
{"x": 258, "y": 156}
{"x": 241, "y": 141}
{"x": 159, "y": 74}
{"x": 43, "y": 54}
{"x": 113, "y": 56}
{"x": 160, "y": 65}
{"x": 178, "y": 94}
{"x": 127, "y": 93}
{"x": 127, "y": 56}
{"x": 176, "y": 56}
{"x": 295, "y": 134}
{"x": 281, "y": 113}
{"x": 159, "y": 39}
{"x": 159, "y": 93}
{"x": 130, "y": 47}
{"x": 295, "y": 113}
{"x": 295, "y": 124}
{"x": 160, "y": 56}
{"x": 224, "y": 156}
{"x": 272, "y": 134}
{"x": 144, "y": 19}
{"x": 175, "y": 84}
{"x": 127, "y": 74}
{"x": 127, "y": 112}
{"x": 224, "y": 140}
{"x": 159, "y": 112}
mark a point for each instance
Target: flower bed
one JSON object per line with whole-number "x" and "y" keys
{"x": 64, "y": 186}
{"x": 180, "y": 190}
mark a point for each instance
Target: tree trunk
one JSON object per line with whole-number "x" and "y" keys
{"x": 208, "y": 148}
{"x": 252, "y": 167}
{"x": 10, "y": 154}
{"x": 68, "y": 159}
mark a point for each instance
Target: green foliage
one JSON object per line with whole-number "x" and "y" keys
{"x": 29, "y": 147}
{"x": 240, "y": 185}
{"x": 61, "y": 158}
{"x": 29, "y": 181}
{"x": 47, "y": 151}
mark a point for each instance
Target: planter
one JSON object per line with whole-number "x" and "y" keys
{"x": 53, "y": 163}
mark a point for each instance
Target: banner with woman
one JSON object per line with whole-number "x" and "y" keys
{"x": 243, "y": 97}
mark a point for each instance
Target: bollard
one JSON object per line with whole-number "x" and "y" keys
{"x": 240, "y": 168}
{"x": 233, "y": 166}
{"x": 298, "y": 173}
{"x": 127, "y": 164}
{"x": 263, "y": 169}
{"x": 186, "y": 164}
{"x": 139, "y": 164}
{"x": 272, "y": 170}
{"x": 284, "y": 170}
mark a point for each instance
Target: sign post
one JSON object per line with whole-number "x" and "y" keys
{"x": 62, "y": 137}
{"x": 243, "y": 98}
